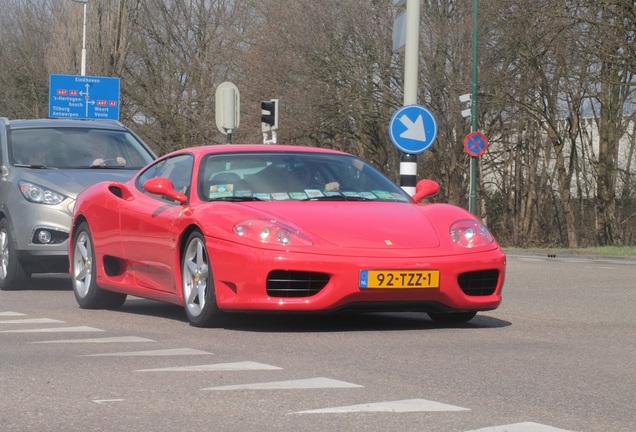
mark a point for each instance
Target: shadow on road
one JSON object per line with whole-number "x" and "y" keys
{"x": 359, "y": 321}
{"x": 50, "y": 282}
{"x": 299, "y": 323}
{"x": 285, "y": 322}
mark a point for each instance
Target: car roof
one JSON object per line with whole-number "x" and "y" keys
{"x": 241, "y": 148}
{"x": 43, "y": 123}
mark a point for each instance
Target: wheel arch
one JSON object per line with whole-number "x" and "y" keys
{"x": 79, "y": 219}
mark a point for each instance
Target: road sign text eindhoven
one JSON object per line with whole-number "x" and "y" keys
{"x": 413, "y": 129}
{"x": 87, "y": 97}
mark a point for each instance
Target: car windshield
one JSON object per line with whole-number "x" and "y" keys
{"x": 76, "y": 148}
{"x": 277, "y": 176}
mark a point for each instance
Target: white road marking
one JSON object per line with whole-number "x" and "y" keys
{"x": 115, "y": 339}
{"x": 521, "y": 427}
{"x": 311, "y": 383}
{"x": 55, "y": 330}
{"x": 238, "y": 366}
{"x": 100, "y": 401}
{"x": 409, "y": 405}
{"x": 9, "y": 313}
{"x": 164, "y": 352}
{"x": 31, "y": 321}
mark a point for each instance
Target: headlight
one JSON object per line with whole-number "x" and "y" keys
{"x": 40, "y": 195}
{"x": 271, "y": 232}
{"x": 470, "y": 233}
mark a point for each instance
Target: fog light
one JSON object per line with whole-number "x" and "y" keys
{"x": 44, "y": 237}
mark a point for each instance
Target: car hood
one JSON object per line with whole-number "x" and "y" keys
{"x": 359, "y": 224}
{"x": 71, "y": 182}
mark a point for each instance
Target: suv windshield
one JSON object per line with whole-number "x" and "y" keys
{"x": 75, "y": 148}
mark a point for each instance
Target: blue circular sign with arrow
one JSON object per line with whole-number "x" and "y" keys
{"x": 413, "y": 129}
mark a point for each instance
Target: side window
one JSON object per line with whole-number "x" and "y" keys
{"x": 178, "y": 169}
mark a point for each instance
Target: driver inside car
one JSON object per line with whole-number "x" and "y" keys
{"x": 100, "y": 146}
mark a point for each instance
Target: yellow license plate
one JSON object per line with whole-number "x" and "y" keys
{"x": 399, "y": 279}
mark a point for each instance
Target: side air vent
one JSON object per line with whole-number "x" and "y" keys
{"x": 286, "y": 283}
{"x": 479, "y": 283}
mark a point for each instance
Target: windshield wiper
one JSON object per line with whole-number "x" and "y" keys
{"x": 337, "y": 198}
{"x": 236, "y": 198}
{"x": 34, "y": 166}
{"x": 108, "y": 167}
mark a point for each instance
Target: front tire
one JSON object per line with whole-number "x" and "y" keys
{"x": 84, "y": 275}
{"x": 197, "y": 284}
{"x": 12, "y": 274}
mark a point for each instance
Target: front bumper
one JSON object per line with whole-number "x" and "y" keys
{"x": 27, "y": 220}
{"x": 240, "y": 274}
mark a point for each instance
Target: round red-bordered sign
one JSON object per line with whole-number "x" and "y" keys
{"x": 475, "y": 144}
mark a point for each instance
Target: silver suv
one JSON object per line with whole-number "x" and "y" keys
{"x": 45, "y": 164}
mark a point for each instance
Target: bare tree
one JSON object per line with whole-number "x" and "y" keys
{"x": 182, "y": 50}
{"x": 556, "y": 90}
{"x": 24, "y": 37}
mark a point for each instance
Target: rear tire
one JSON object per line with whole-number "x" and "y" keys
{"x": 12, "y": 274}
{"x": 452, "y": 317}
{"x": 84, "y": 275}
{"x": 197, "y": 284}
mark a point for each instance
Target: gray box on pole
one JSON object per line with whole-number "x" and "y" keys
{"x": 228, "y": 107}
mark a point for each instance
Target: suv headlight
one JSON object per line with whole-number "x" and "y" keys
{"x": 39, "y": 194}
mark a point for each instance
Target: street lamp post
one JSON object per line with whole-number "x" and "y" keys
{"x": 472, "y": 202}
{"x": 83, "y": 70}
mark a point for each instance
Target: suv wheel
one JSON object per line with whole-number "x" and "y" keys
{"x": 12, "y": 275}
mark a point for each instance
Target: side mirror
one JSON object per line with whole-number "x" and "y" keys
{"x": 163, "y": 187}
{"x": 424, "y": 189}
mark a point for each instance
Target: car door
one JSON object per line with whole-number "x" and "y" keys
{"x": 148, "y": 225}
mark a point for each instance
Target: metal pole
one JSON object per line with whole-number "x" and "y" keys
{"x": 83, "y": 72}
{"x": 472, "y": 202}
{"x": 83, "y": 64}
{"x": 408, "y": 162}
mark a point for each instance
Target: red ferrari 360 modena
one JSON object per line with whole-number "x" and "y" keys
{"x": 239, "y": 228}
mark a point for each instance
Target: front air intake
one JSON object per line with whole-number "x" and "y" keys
{"x": 289, "y": 283}
{"x": 479, "y": 283}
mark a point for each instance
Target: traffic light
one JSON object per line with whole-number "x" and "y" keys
{"x": 269, "y": 114}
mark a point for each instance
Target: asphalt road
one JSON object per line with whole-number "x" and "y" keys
{"x": 558, "y": 355}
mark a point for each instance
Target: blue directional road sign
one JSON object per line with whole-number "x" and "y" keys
{"x": 413, "y": 129}
{"x": 84, "y": 97}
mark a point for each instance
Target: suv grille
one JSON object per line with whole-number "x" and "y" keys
{"x": 286, "y": 283}
{"x": 479, "y": 283}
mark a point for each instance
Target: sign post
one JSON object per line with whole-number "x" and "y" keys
{"x": 83, "y": 97}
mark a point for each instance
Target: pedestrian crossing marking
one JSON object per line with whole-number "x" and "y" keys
{"x": 164, "y": 352}
{"x": 521, "y": 427}
{"x": 310, "y": 383}
{"x": 238, "y": 366}
{"x": 54, "y": 330}
{"x": 408, "y": 405}
{"x": 114, "y": 339}
{"x": 32, "y": 321}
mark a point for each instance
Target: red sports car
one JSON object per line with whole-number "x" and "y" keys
{"x": 239, "y": 228}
